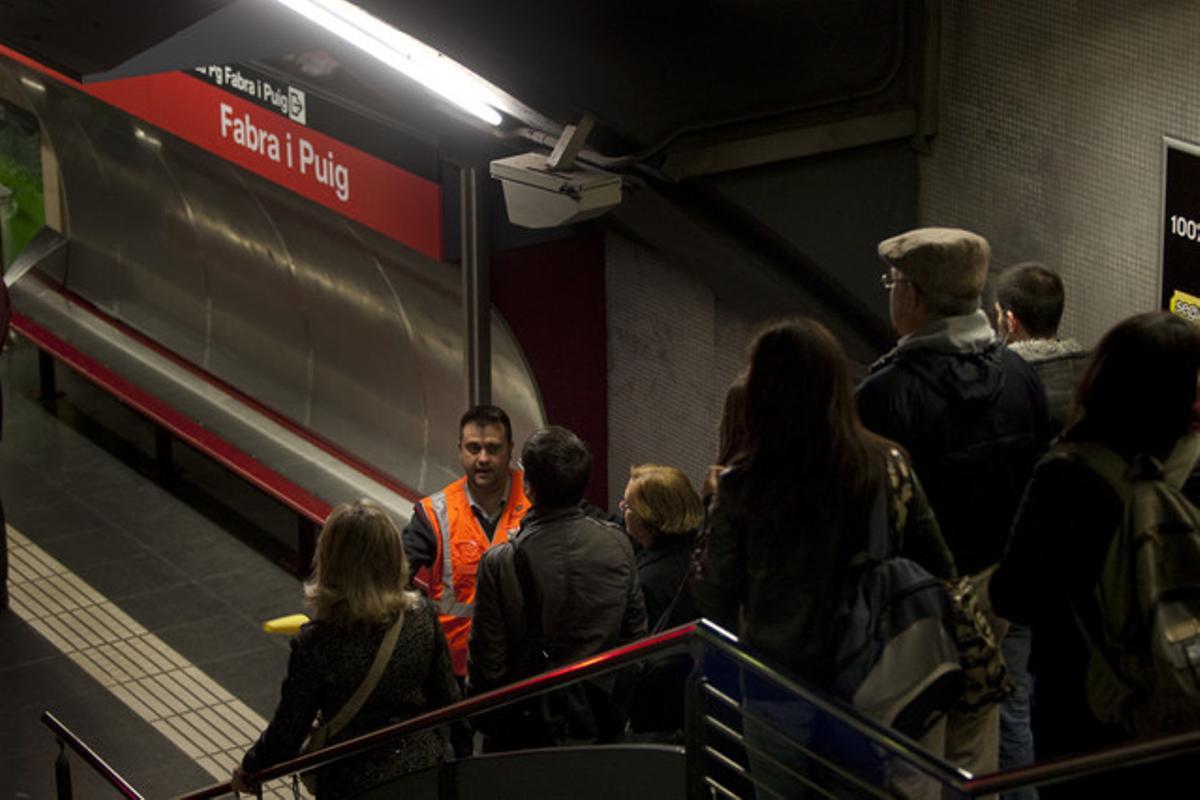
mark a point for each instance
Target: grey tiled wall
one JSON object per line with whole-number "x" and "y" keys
{"x": 1050, "y": 141}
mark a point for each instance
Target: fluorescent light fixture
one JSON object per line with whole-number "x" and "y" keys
{"x": 33, "y": 83}
{"x": 402, "y": 52}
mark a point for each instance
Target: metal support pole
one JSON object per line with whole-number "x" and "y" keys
{"x": 306, "y": 545}
{"x": 476, "y": 289}
{"x": 693, "y": 727}
{"x": 47, "y": 389}
{"x": 163, "y": 457}
{"x": 62, "y": 772}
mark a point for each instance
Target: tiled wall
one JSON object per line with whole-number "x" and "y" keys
{"x": 1050, "y": 139}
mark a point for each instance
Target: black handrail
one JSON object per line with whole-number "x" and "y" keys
{"x": 1062, "y": 769}
{"x": 670, "y": 640}
{"x": 66, "y": 737}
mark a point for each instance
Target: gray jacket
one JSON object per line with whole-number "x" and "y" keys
{"x": 1059, "y": 363}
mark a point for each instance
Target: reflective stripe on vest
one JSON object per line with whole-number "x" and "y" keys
{"x": 448, "y": 603}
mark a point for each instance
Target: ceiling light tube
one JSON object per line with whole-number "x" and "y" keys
{"x": 398, "y": 50}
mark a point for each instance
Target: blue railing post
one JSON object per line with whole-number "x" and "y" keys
{"x": 62, "y": 771}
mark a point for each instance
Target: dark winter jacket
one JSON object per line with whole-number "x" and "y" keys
{"x": 661, "y": 570}
{"x": 1060, "y": 538}
{"x": 972, "y": 414}
{"x": 329, "y": 660}
{"x": 584, "y": 578}
{"x": 778, "y": 580}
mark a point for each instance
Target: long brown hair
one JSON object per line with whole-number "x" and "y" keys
{"x": 733, "y": 422}
{"x": 802, "y": 422}
{"x": 360, "y": 572}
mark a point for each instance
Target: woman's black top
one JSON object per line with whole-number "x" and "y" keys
{"x": 328, "y": 662}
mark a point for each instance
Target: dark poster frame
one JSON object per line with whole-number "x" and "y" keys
{"x": 1179, "y": 251}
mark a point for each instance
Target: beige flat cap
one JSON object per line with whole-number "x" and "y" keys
{"x": 948, "y": 261}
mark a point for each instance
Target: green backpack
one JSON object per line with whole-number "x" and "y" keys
{"x": 1144, "y": 649}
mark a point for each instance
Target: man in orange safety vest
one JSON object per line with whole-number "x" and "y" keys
{"x": 451, "y": 529}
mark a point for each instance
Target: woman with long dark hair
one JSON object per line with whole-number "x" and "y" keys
{"x": 795, "y": 505}
{"x": 1136, "y": 400}
{"x": 793, "y": 510}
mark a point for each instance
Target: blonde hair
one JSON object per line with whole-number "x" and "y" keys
{"x": 359, "y": 570}
{"x": 663, "y": 499}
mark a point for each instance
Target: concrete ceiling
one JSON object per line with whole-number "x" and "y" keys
{"x": 697, "y": 82}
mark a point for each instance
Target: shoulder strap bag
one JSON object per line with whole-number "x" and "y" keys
{"x": 321, "y": 733}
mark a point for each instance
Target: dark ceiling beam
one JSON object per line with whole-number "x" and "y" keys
{"x": 751, "y": 150}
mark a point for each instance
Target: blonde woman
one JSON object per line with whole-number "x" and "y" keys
{"x": 662, "y": 515}
{"x": 358, "y": 594}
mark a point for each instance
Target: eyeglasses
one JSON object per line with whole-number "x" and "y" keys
{"x": 888, "y": 280}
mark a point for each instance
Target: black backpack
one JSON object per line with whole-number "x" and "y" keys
{"x": 1144, "y": 650}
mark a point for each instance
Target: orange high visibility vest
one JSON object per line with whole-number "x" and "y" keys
{"x": 461, "y": 542}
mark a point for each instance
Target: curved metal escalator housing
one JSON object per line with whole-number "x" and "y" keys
{"x": 337, "y": 328}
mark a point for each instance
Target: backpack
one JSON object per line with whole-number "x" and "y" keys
{"x": 895, "y": 654}
{"x": 1144, "y": 648}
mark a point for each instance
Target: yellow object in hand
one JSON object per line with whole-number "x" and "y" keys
{"x": 289, "y": 624}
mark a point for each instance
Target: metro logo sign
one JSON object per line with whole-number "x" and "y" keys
{"x": 354, "y": 184}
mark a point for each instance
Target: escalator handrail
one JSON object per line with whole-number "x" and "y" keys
{"x": 667, "y": 641}
{"x": 67, "y": 737}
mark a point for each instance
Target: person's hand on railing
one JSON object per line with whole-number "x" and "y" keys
{"x": 240, "y": 782}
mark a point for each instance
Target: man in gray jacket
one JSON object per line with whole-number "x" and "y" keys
{"x": 564, "y": 588}
{"x": 1029, "y": 307}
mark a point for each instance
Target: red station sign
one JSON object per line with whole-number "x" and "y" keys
{"x": 350, "y": 182}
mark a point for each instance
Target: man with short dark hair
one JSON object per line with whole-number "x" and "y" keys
{"x": 451, "y": 529}
{"x": 564, "y": 588}
{"x": 970, "y": 412}
{"x": 1029, "y": 307}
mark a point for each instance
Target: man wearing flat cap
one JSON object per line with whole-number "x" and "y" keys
{"x": 971, "y": 413}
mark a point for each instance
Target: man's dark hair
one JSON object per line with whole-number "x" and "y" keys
{"x": 486, "y": 415}
{"x": 557, "y": 466}
{"x": 1034, "y": 294}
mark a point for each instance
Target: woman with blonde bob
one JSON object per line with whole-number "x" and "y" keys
{"x": 662, "y": 514}
{"x": 358, "y": 595}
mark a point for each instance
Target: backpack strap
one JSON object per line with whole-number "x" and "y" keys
{"x": 1120, "y": 474}
{"x": 1104, "y": 462}
{"x": 1182, "y": 460}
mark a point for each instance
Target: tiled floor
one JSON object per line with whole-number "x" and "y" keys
{"x": 196, "y": 563}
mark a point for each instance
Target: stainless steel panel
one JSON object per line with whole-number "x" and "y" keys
{"x": 340, "y": 329}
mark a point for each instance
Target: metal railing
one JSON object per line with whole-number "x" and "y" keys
{"x": 733, "y": 732}
{"x": 674, "y": 640}
{"x": 62, "y": 767}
